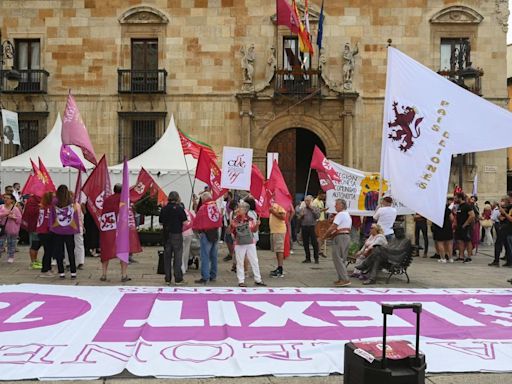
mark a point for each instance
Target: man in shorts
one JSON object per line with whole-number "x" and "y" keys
{"x": 277, "y": 223}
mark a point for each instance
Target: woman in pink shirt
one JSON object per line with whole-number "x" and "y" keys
{"x": 10, "y": 216}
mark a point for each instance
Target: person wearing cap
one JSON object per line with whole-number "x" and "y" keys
{"x": 172, "y": 217}
{"x": 386, "y": 216}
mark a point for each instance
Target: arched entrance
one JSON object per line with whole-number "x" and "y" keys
{"x": 295, "y": 147}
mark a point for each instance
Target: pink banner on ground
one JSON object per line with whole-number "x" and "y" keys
{"x": 90, "y": 332}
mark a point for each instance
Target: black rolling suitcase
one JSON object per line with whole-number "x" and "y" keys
{"x": 393, "y": 363}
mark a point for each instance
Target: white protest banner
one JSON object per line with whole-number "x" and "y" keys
{"x": 360, "y": 190}
{"x": 236, "y": 168}
{"x": 11, "y": 131}
{"x": 87, "y": 332}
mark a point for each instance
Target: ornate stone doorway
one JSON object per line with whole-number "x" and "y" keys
{"x": 295, "y": 147}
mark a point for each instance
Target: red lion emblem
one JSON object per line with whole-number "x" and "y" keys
{"x": 404, "y": 121}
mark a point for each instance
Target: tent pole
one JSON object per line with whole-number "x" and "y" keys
{"x": 192, "y": 184}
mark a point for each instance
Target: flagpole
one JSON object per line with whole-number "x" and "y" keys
{"x": 307, "y": 183}
{"x": 192, "y": 183}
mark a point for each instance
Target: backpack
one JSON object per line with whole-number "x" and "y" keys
{"x": 244, "y": 234}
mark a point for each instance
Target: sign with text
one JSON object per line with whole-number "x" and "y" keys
{"x": 360, "y": 190}
{"x": 236, "y": 168}
{"x": 90, "y": 332}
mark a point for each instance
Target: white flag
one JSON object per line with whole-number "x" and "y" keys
{"x": 427, "y": 118}
{"x": 10, "y": 130}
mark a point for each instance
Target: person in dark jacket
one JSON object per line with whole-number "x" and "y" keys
{"x": 172, "y": 217}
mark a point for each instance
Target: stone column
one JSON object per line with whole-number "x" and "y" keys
{"x": 348, "y": 134}
{"x": 246, "y": 115}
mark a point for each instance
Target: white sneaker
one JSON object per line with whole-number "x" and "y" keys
{"x": 10, "y": 260}
{"x": 442, "y": 261}
{"x": 450, "y": 260}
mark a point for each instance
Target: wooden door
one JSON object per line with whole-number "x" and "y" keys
{"x": 285, "y": 144}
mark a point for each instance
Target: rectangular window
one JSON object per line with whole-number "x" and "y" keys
{"x": 29, "y": 134}
{"x": 144, "y": 65}
{"x": 27, "y": 54}
{"x": 450, "y": 49}
{"x": 143, "y": 135}
{"x": 293, "y": 58}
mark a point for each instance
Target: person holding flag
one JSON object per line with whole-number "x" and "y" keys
{"x": 207, "y": 222}
{"x": 108, "y": 233}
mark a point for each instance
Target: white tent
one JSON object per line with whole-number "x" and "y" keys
{"x": 18, "y": 168}
{"x": 166, "y": 164}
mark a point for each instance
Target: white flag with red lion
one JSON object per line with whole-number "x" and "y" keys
{"x": 427, "y": 119}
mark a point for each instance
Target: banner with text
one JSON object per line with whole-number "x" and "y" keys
{"x": 236, "y": 168}
{"x": 360, "y": 190}
{"x": 91, "y": 332}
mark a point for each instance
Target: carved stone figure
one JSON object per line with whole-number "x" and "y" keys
{"x": 247, "y": 63}
{"x": 271, "y": 65}
{"x": 349, "y": 65}
{"x": 502, "y": 14}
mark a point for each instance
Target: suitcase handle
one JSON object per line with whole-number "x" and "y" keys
{"x": 387, "y": 309}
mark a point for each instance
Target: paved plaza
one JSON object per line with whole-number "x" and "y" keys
{"x": 424, "y": 273}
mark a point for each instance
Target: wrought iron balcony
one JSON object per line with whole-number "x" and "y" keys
{"x": 141, "y": 81}
{"x": 30, "y": 81}
{"x": 297, "y": 81}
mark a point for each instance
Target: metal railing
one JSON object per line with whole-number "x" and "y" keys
{"x": 31, "y": 81}
{"x": 141, "y": 81}
{"x": 297, "y": 81}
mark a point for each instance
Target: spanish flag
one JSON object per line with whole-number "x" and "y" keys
{"x": 304, "y": 40}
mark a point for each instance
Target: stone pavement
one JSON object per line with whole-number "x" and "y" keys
{"x": 424, "y": 273}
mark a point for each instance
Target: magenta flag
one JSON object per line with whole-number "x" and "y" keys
{"x": 69, "y": 158}
{"x": 74, "y": 131}
{"x": 123, "y": 231}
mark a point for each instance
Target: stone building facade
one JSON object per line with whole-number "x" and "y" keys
{"x": 227, "y": 73}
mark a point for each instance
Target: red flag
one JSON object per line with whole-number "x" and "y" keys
{"x": 325, "y": 181}
{"x": 38, "y": 182}
{"x": 208, "y": 217}
{"x": 193, "y": 147}
{"x": 278, "y": 188}
{"x": 74, "y": 131}
{"x": 97, "y": 188}
{"x": 46, "y": 178}
{"x": 286, "y": 16}
{"x": 320, "y": 163}
{"x": 208, "y": 171}
{"x": 257, "y": 182}
{"x": 263, "y": 202}
{"x": 146, "y": 183}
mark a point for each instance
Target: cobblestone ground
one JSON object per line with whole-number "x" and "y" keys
{"x": 424, "y": 273}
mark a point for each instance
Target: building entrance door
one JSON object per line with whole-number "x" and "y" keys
{"x": 295, "y": 147}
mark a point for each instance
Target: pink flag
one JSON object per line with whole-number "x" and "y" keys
{"x": 74, "y": 131}
{"x": 69, "y": 158}
{"x": 123, "y": 230}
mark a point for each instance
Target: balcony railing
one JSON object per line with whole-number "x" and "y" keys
{"x": 31, "y": 81}
{"x": 297, "y": 81}
{"x": 141, "y": 81}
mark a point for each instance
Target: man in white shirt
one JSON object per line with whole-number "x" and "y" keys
{"x": 386, "y": 216}
{"x": 340, "y": 230}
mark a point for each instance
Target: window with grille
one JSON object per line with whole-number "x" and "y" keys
{"x": 138, "y": 131}
{"x": 143, "y": 135}
{"x": 29, "y": 134}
